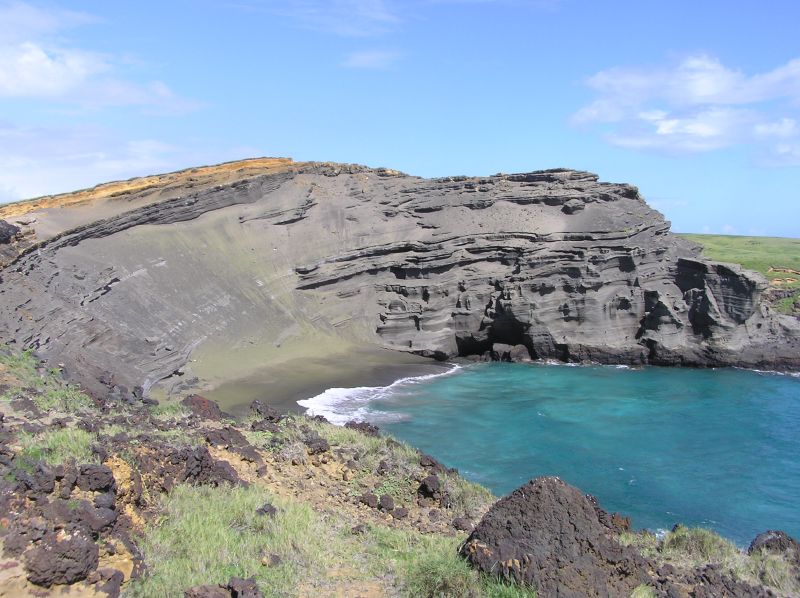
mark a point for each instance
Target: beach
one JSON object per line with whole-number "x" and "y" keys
{"x": 284, "y": 383}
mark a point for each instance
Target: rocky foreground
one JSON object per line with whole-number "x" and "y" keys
{"x": 101, "y": 498}
{"x": 127, "y": 283}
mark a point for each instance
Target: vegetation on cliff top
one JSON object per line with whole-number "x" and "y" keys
{"x": 778, "y": 259}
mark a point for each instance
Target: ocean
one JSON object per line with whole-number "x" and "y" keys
{"x": 718, "y": 448}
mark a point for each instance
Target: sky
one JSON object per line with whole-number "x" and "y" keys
{"x": 696, "y": 103}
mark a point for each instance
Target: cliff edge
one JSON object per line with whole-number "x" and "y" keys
{"x": 139, "y": 277}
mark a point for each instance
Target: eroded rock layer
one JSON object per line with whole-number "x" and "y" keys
{"x": 134, "y": 279}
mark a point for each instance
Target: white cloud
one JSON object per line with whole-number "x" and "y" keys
{"x": 40, "y": 160}
{"x": 20, "y": 21}
{"x": 349, "y": 18}
{"x": 371, "y": 59}
{"x": 28, "y": 70}
{"x": 36, "y": 64}
{"x": 696, "y": 105}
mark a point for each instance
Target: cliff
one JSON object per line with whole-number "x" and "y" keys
{"x": 138, "y": 278}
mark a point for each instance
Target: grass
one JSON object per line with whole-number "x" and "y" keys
{"x": 23, "y": 366}
{"x": 205, "y": 536}
{"x": 208, "y": 535}
{"x": 56, "y": 447}
{"x": 48, "y": 391}
{"x": 686, "y": 547}
{"x": 761, "y": 254}
{"x": 428, "y": 566}
{"x": 68, "y": 399}
{"x": 168, "y": 411}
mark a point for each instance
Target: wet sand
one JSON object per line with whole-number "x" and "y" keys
{"x": 283, "y": 384}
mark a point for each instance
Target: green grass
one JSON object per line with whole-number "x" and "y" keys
{"x": 167, "y": 411}
{"x": 693, "y": 547}
{"x": 57, "y": 446}
{"x": 428, "y": 566}
{"x": 208, "y": 535}
{"x": 22, "y": 365}
{"x": 700, "y": 545}
{"x": 757, "y": 253}
{"x": 68, "y": 399}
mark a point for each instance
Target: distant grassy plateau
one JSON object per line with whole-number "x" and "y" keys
{"x": 777, "y": 258}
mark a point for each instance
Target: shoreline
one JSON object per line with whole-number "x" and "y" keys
{"x": 283, "y": 384}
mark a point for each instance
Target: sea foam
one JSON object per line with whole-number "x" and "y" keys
{"x": 340, "y": 405}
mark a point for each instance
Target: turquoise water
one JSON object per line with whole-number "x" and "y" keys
{"x": 717, "y": 448}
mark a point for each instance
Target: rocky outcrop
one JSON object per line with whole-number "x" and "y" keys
{"x": 547, "y": 535}
{"x": 543, "y": 265}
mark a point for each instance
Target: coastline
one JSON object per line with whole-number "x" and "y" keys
{"x": 282, "y": 384}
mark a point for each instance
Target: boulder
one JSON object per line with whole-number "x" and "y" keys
{"x": 7, "y": 232}
{"x": 369, "y": 499}
{"x": 61, "y": 561}
{"x": 430, "y": 486}
{"x": 96, "y": 478}
{"x": 363, "y": 427}
{"x": 264, "y": 411}
{"x": 774, "y": 541}
{"x": 546, "y": 534}
{"x": 386, "y": 503}
{"x": 202, "y": 407}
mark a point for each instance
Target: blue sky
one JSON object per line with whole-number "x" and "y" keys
{"x": 697, "y": 103}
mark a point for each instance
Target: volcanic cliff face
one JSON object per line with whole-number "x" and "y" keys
{"x": 134, "y": 278}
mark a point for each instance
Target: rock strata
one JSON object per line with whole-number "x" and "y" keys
{"x": 549, "y": 264}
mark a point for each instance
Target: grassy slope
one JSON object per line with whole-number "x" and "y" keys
{"x": 204, "y": 535}
{"x": 761, "y": 254}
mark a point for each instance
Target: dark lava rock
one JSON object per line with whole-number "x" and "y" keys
{"x": 613, "y": 521}
{"x": 105, "y": 500}
{"x": 363, "y": 427}
{"x": 97, "y": 478}
{"x": 109, "y": 581}
{"x": 267, "y": 509}
{"x": 369, "y": 499}
{"x": 40, "y": 482}
{"x": 207, "y": 592}
{"x": 431, "y": 463}
{"x": 235, "y": 588}
{"x": 226, "y": 437}
{"x": 776, "y": 542}
{"x": 265, "y": 425}
{"x": 317, "y": 445}
{"x": 61, "y": 561}
{"x": 400, "y": 513}
{"x": 168, "y": 466}
{"x": 430, "y": 486}
{"x": 383, "y": 468}
{"x": 546, "y": 534}
{"x": 7, "y": 232}
{"x": 710, "y": 582}
{"x": 386, "y": 503}
{"x": 463, "y": 524}
{"x": 202, "y": 407}
{"x": 264, "y": 411}
{"x": 244, "y": 588}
